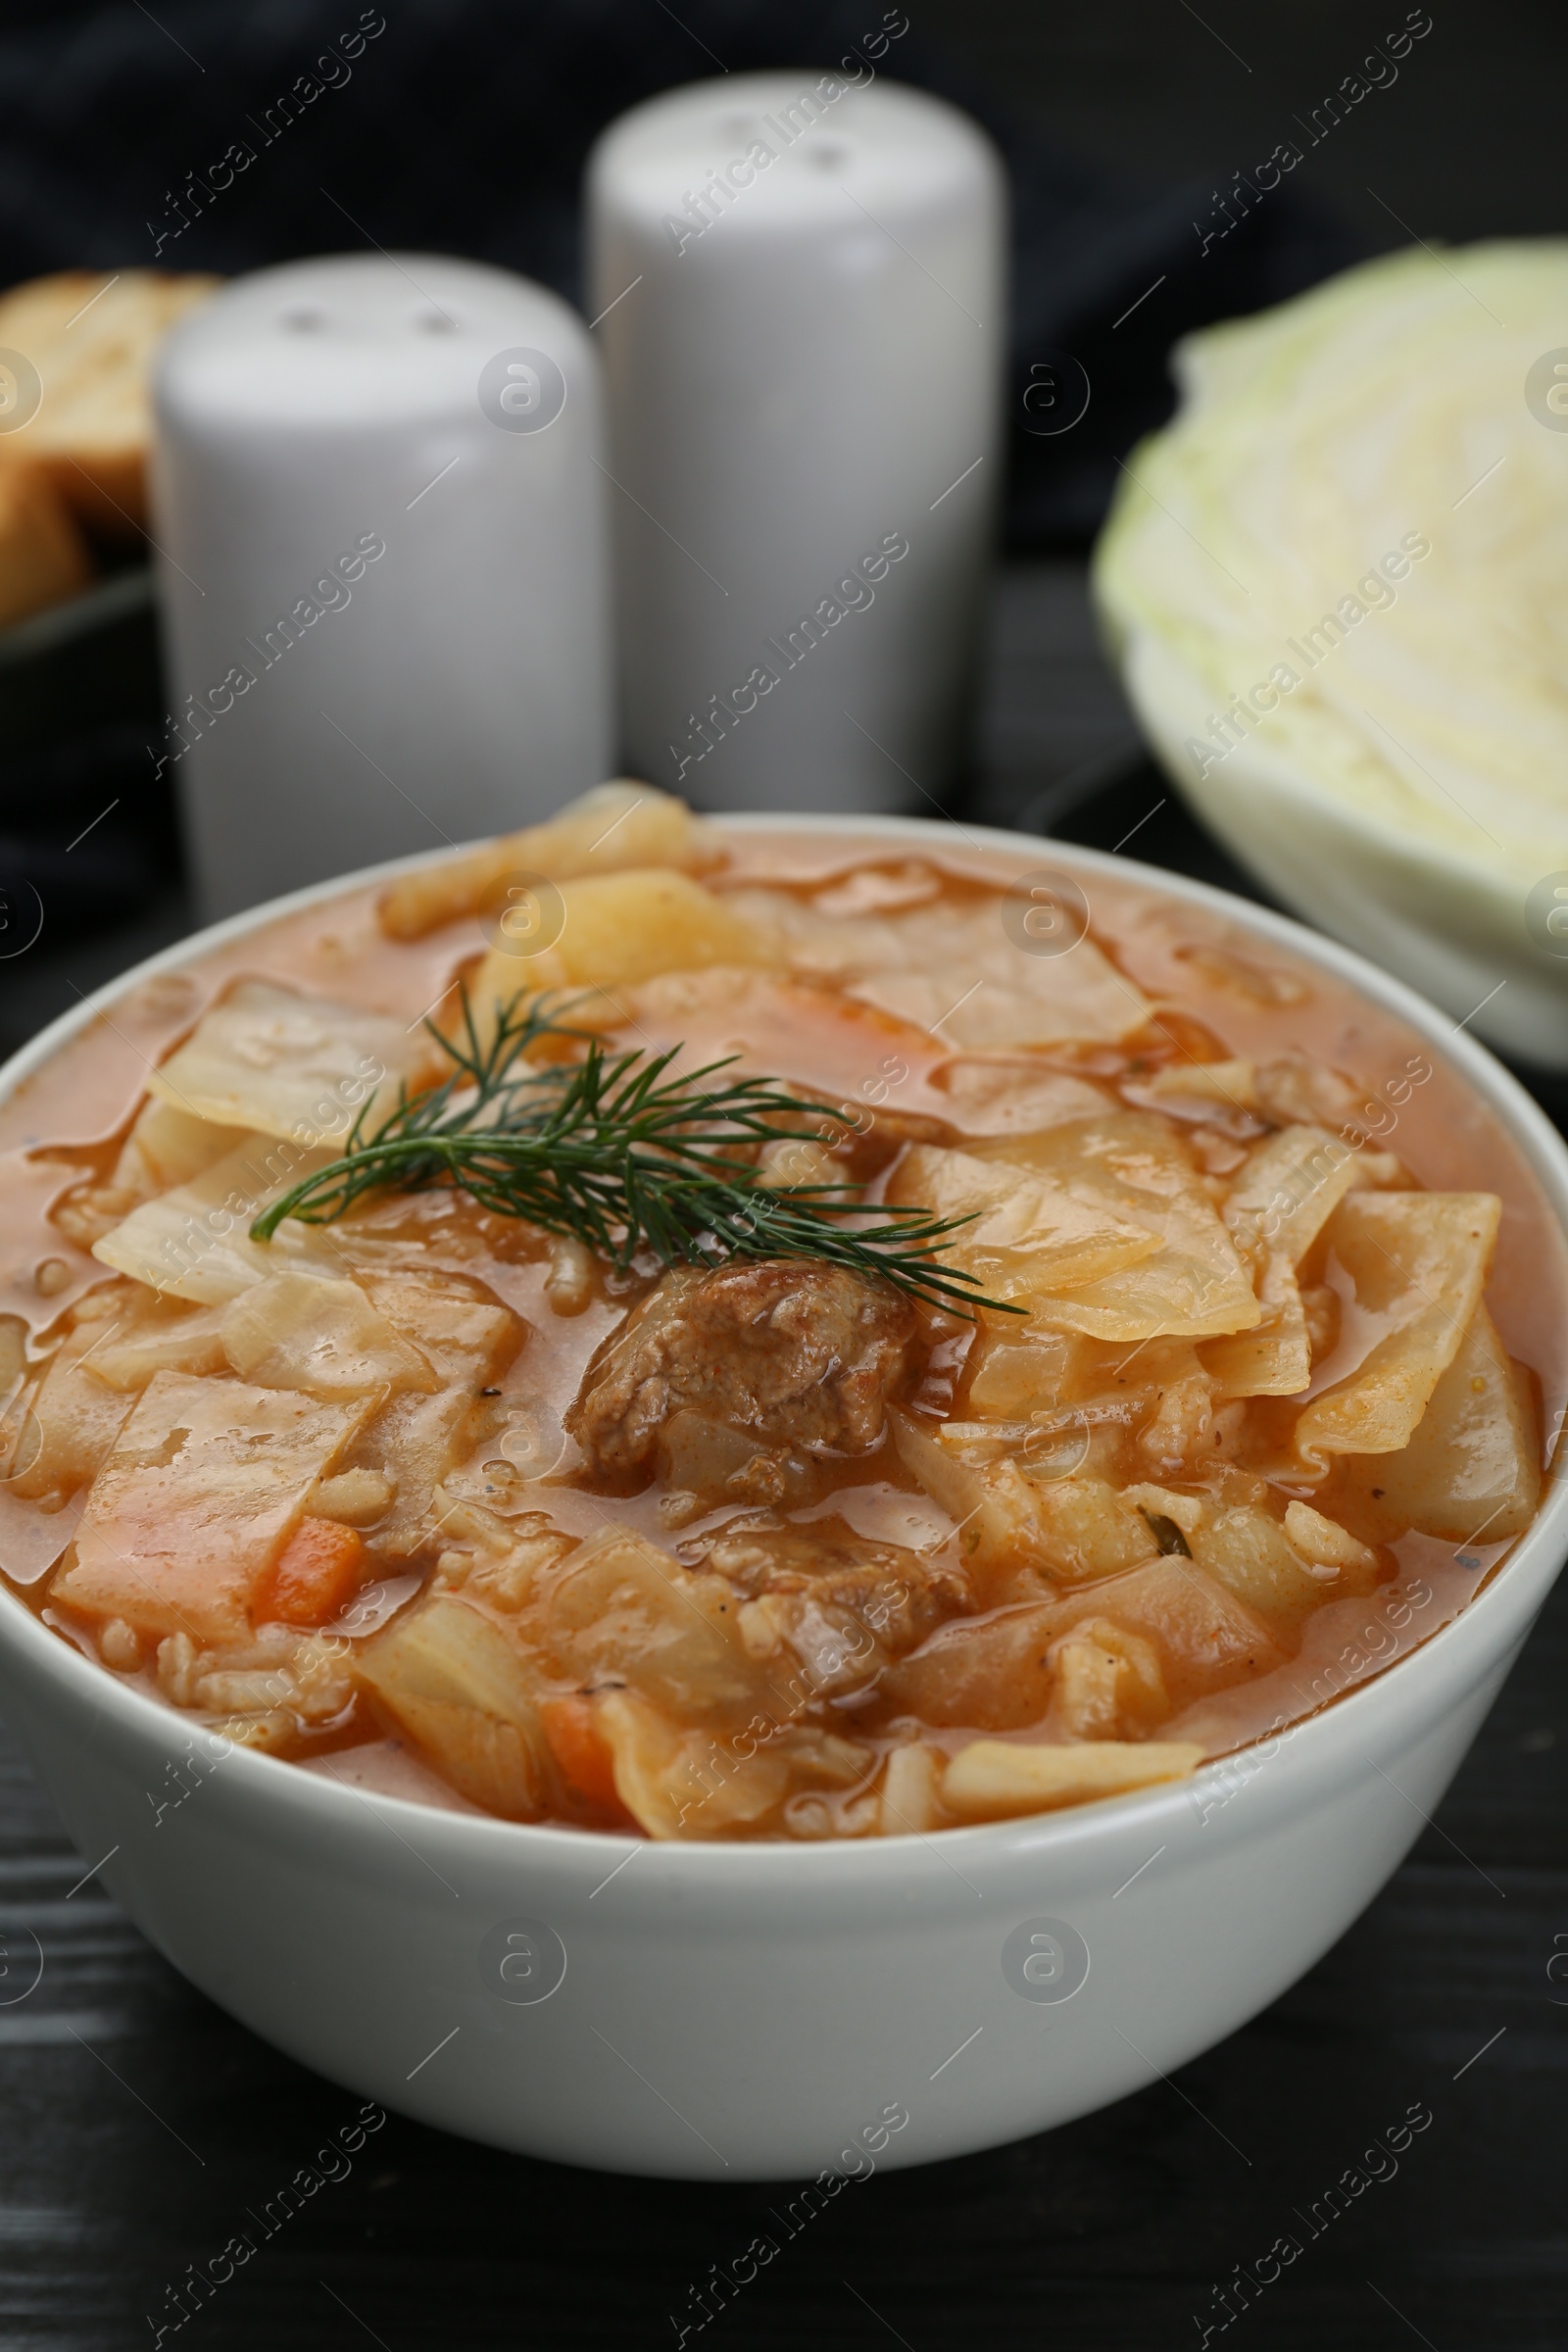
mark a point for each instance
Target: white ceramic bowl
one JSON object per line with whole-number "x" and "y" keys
{"x": 737, "y": 2012}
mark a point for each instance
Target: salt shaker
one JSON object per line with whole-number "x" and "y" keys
{"x": 382, "y": 557}
{"x": 799, "y": 287}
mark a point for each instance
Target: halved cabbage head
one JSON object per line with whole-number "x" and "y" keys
{"x": 1333, "y": 584}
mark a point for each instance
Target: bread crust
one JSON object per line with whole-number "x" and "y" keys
{"x": 91, "y": 335}
{"x": 44, "y": 557}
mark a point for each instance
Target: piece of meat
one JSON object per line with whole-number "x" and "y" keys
{"x": 798, "y": 1355}
{"x": 842, "y": 1605}
{"x": 902, "y": 1595}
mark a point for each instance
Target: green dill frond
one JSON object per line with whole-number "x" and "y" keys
{"x": 615, "y": 1152}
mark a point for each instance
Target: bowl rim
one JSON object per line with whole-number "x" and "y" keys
{"x": 1497, "y": 1615}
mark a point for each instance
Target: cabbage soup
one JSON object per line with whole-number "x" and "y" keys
{"x": 759, "y": 1333}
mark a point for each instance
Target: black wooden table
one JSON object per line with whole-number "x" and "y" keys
{"x": 141, "y": 2124}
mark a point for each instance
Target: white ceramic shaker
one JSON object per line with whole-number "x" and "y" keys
{"x": 798, "y": 288}
{"x": 382, "y": 557}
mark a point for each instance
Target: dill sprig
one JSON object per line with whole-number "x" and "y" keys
{"x": 612, "y": 1151}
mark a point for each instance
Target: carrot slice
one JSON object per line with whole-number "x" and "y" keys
{"x": 583, "y": 1756}
{"x": 319, "y": 1568}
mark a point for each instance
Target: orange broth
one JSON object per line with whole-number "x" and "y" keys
{"x": 1246, "y": 996}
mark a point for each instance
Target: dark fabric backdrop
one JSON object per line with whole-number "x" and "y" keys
{"x": 462, "y": 127}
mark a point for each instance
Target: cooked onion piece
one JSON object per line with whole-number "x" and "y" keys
{"x": 626, "y": 1608}
{"x": 1250, "y": 1551}
{"x": 450, "y": 1679}
{"x": 674, "y": 1782}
